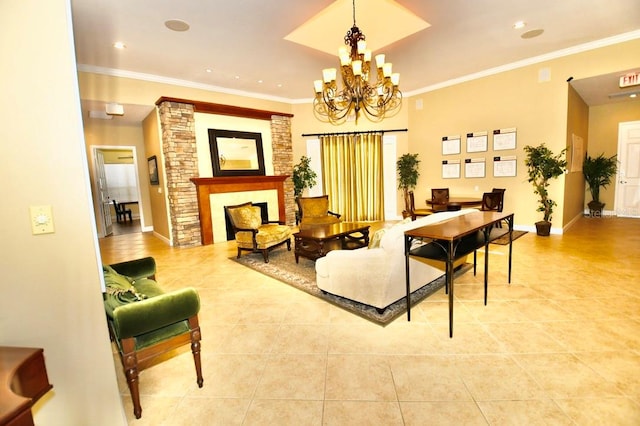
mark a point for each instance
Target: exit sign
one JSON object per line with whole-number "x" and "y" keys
{"x": 631, "y": 79}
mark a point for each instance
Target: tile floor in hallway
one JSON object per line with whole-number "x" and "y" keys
{"x": 559, "y": 346}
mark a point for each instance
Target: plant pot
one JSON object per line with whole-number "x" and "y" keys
{"x": 543, "y": 228}
{"x": 595, "y": 208}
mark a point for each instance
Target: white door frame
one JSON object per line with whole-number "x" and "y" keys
{"x": 95, "y": 148}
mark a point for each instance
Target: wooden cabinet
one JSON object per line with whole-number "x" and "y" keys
{"x": 23, "y": 380}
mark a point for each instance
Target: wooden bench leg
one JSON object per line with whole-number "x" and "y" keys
{"x": 195, "y": 348}
{"x": 130, "y": 364}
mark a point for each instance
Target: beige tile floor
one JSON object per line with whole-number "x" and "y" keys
{"x": 560, "y": 345}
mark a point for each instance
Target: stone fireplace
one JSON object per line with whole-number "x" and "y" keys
{"x": 184, "y": 203}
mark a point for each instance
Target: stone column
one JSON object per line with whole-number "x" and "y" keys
{"x": 283, "y": 159}
{"x": 177, "y": 124}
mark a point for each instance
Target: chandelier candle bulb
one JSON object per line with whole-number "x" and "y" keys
{"x": 386, "y": 69}
{"x": 362, "y": 46}
{"x": 317, "y": 84}
{"x": 328, "y": 75}
{"x": 357, "y": 67}
{"x": 395, "y": 78}
{"x": 380, "y": 60}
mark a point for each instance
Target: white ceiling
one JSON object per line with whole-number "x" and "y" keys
{"x": 243, "y": 42}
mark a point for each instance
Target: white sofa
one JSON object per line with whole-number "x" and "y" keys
{"x": 376, "y": 276}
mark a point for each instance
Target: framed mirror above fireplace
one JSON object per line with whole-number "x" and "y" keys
{"x": 236, "y": 153}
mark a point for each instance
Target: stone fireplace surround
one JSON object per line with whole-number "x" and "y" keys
{"x": 180, "y": 163}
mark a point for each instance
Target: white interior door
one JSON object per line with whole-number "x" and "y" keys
{"x": 103, "y": 194}
{"x": 627, "y": 202}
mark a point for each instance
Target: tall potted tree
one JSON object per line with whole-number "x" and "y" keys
{"x": 598, "y": 172}
{"x": 303, "y": 176}
{"x": 407, "y": 167}
{"x": 542, "y": 166}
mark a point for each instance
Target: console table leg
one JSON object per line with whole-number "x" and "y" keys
{"x": 450, "y": 278}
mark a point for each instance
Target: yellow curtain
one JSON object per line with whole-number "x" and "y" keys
{"x": 352, "y": 175}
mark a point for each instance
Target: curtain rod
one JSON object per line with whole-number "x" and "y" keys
{"x": 354, "y": 133}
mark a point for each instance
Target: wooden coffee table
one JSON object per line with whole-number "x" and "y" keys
{"x": 314, "y": 241}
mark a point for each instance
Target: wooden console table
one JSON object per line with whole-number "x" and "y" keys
{"x": 23, "y": 380}
{"x": 453, "y": 239}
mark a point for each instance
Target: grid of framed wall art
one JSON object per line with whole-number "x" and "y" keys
{"x": 475, "y": 165}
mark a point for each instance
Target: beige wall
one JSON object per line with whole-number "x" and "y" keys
{"x": 51, "y": 294}
{"x": 603, "y": 136}
{"x": 159, "y": 207}
{"x": 578, "y": 127}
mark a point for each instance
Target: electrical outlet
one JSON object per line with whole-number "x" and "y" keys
{"x": 41, "y": 220}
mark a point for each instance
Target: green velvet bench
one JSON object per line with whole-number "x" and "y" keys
{"x": 146, "y": 322}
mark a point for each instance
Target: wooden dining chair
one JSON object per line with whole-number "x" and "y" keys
{"x": 501, "y": 191}
{"x": 122, "y": 212}
{"x": 417, "y": 212}
{"x": 491, "y": 201}
{"x": 439, "y": 199}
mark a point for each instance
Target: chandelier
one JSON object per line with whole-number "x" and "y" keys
{"x": 358, "y": 94}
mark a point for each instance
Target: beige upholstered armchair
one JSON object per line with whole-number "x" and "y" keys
{"x": 315, "y": 211}
{"x": 254, "y": 235}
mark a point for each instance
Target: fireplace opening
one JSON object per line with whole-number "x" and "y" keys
{"x": 264, "y": 213}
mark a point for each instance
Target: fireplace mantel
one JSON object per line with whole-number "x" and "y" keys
{"x": 218, "y": 185}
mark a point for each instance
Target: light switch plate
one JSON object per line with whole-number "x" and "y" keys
{"x": 41, "y": 220}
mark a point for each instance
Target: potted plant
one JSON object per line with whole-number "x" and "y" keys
{"x": 407, "y": 167}
{"x": 303, "y": 176}
{"x": 542, "y": 166}
{"x": 598, "y": 172}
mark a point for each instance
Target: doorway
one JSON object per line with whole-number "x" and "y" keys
{"x": 117, "y": 179}
{"x": 627, "y": 197}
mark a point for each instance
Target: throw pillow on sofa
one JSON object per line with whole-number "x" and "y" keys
{"x": 377, "y": 236}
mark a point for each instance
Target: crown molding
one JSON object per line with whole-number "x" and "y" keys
{"x": 620, "y": 38}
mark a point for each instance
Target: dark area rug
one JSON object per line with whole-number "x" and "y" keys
{"x": 504, "y": 240}
{"x": 283, "y": 267}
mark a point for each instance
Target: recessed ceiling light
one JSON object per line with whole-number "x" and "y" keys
{"x": 237, "y": 77}
{"x": 532, "y": 33}
{"x": 260, "y": 81}
{"x": 119, "y": 45}
{"x": 518, "y": 25}
{"x": 209, "y": 70}
{"x": 176, "y": 25}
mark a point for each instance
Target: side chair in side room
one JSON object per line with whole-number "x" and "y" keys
{"x": 121, "y": 212}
